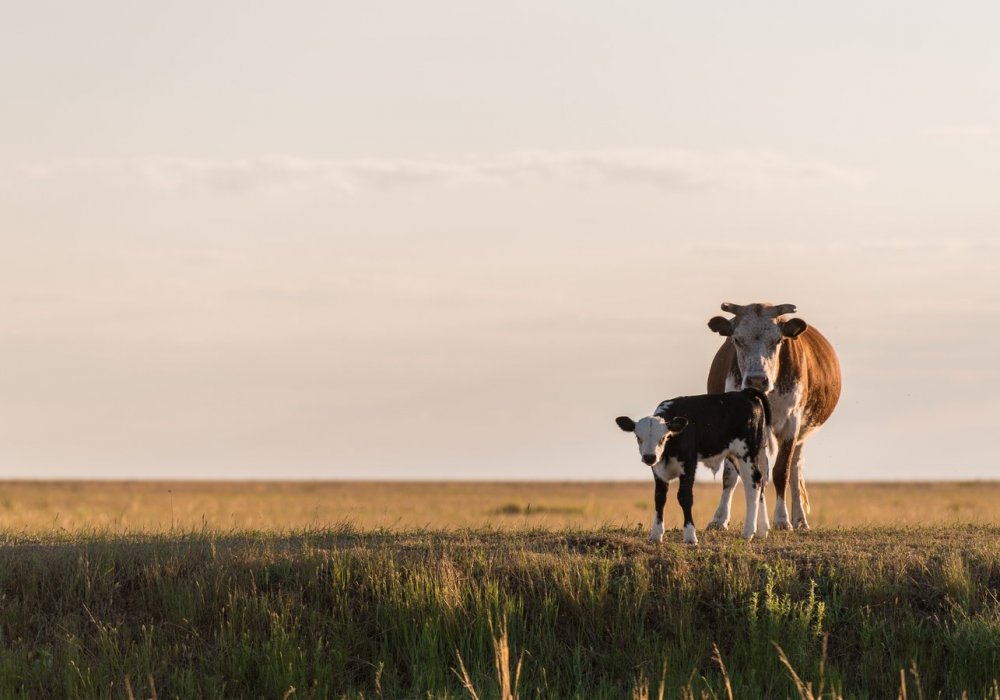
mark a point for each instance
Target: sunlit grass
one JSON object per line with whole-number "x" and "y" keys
{"x": 166, "y": 506}
{"x": 530, "y": 614}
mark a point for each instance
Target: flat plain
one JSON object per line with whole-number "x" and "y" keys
{"x": 151, "y": 506}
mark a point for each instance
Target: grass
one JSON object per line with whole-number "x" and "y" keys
{"x": 176, "y": 605}
{"x": 594, "y": 614}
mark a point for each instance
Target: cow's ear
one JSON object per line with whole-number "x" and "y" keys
{"x": 625, "y": 423}
{"x": 722, "y": 326}
{"x": 677, "y": 424}
{"x": 793, "y": 328}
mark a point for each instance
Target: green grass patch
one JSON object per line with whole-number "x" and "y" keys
{"x": 532, "y": 509}
{"x": 588, "y": 614}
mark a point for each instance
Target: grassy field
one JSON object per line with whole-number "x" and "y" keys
{"x": 463, "y": 590}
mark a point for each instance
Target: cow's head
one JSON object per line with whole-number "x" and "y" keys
{"x": 652, "y": 432}
{"x": 757, "y": 332}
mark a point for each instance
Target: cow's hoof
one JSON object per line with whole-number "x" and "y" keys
{"x": 781, "y": 525}
{"x": 801, "y": 525}
{"x": 717, "y": 525}
{"x": 748, "y": 536}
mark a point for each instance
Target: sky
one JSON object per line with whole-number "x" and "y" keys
{"x": 454, "y": 240}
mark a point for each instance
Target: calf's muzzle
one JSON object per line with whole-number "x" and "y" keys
{"x": 760, "y": 382}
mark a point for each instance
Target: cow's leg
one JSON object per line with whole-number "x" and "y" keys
{"x": 659, "y": 499}
{"x": 798, "y": 492}
{"x": 785, "y": 450}
{"x": 763, "y": 466}
{"x": 685, "y": 496}
{"x": 751, "y": 486}
{"x": 720, "y": 521}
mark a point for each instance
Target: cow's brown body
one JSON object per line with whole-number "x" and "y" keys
{"x": 801, "y": 378}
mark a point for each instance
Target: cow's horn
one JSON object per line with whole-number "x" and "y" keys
{"x": 782, "y": 309}
{"x": 732, "y": 308}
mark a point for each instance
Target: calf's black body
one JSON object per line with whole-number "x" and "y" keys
{"x": 705, "y": 428}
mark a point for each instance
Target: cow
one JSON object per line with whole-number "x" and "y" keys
{"x": 797, "y": 368}
{"x": 733, "y": 427}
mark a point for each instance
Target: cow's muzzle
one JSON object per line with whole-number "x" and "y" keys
{"x": 649, "y": 459}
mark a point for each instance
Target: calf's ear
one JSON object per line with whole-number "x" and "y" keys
{"x": 722, "y": 326}
{"x": 793, "y": 328}
{"x": 625, "y": 423}
{"x": 677, "y": 424}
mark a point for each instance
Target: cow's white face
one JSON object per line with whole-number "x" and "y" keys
{"x": 757, "y": 333}
{"x": 652, "y": 434}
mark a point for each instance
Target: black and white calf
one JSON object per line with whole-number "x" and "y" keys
{"x": 710, "y": 429}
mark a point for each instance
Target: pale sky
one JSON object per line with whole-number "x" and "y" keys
{"x": 456, "y": 239}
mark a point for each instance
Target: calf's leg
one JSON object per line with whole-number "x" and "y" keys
{"x": 685, "y": 496}
{"x": 659, "y": 499}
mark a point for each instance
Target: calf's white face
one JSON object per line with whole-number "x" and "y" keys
{"x": 757, "y": 334}
{"x": 652, "y": 434}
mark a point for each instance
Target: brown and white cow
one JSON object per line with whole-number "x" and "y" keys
{"x": 798, "y": 369}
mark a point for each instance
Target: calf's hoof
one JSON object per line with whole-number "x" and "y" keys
{"x": 690, "y": 536}
{"x": 801, "y": 524}
{"x": 781, "y": 525}
{"x": 717, "y": 525}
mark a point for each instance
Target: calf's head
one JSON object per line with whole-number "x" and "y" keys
{"x": 757, "y": 332}
{"x": 652, "y": 433}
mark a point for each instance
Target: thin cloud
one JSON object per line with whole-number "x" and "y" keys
{"x": 855, "y": 245}
{"x": 667, "y": 170}
{"x": 962, "y": 130}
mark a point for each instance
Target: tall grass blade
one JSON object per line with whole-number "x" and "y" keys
{"x": 470, "y": 688}
{"x": 805, "y": 691}
{"x": 717, "y": 657}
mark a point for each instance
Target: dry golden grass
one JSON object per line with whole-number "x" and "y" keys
{"x": 162, "y": 506}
